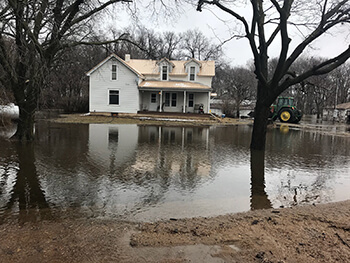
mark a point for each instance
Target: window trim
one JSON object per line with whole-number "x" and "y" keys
{"x": 171, "y": 101}
{"x": 109, "y": 97}
{"x": 155, "y": 97}
{"x": 167, "y": 100}
{"x": 190, "y": 73}
{"x": 190, "y": 100}
{"x": 164, "y": 73}
{"x": 114, "y": 72}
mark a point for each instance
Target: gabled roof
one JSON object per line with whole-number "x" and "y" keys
{"x": 343, "y": 106}
{"x": 193, "y": 60}
{"x": 117, "y": 58}
{"x": 143, "y": 67}
{"x": 150, "y": 67}
{"x": 166, "y": 60}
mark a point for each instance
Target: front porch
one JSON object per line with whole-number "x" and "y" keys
{"x": 173, "y": 115}
{"x": 171, "y": 101}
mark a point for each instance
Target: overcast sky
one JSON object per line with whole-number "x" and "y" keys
{"x": 219, "y": 26}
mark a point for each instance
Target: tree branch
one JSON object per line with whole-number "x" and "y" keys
{"x": 323, "y": 68}
{"x": 325, "y": 24}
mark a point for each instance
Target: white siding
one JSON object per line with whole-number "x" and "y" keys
{"x": 204, "y": 80}
{"x": 101, "y": 82}
{"x": 202, "y": 98}
{"x": 200, "y": 79}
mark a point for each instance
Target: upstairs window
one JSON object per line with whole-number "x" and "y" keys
{"x": 114, "y": 97}
{"x": 192, "y": 73}
{"x": 164, "y": 72}
{"x": 114, "y": 72}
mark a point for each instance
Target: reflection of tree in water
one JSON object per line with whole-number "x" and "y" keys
{"x": 27, "y": 194}
{"x": 258, "y": 198}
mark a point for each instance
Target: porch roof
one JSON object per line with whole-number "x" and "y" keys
{"x": 173, "y": 85}
{"x": 343, "y": 106}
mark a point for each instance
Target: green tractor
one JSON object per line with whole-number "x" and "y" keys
{"x": 285, "y": 110}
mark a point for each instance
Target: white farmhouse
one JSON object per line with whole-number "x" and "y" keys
{"x": 133, "y": 85}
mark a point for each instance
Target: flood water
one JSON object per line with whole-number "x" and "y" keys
{"x": 145, "y": 173}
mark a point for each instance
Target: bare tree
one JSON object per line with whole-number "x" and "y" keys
{"x": 341, "y": 83}
{"x": 234, "y": 85}
{"x": 39, "y": 31}
{"x": 313, "y": 18}
{"x": 67, "y": 85}
{"x": 170, "y": 47}
{"x": 195, "y": 45}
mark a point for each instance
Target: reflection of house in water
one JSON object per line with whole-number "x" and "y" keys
{"x": 169, "y": 151}
{"x": 150, "y": 150}
{"x": 112, "y": 145}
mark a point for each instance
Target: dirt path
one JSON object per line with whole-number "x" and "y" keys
{"x": 300, "y": 234}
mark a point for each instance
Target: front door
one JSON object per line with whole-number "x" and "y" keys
{"x": 153, "y": 101}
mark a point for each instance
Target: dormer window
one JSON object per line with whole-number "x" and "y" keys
{"x": 114, "y": 72}
{"x": 164, "y": 72}
{"x": 192, "y": 74}
{"x": 192, "y": 68}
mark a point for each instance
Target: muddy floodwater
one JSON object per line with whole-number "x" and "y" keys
{"x": 145, "y": 173}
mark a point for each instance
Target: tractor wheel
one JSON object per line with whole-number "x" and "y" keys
{"x": 285, "y": 115}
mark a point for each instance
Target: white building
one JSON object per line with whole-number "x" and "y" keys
{"x": 133, "y": 85}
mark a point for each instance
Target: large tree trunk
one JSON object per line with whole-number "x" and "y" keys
{"x": 25, "y": 126}
{"x": 261, "y": 114}
{"x": 26, "y": 98}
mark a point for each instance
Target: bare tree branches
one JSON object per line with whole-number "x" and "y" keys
{"x": 316, "y": 16}
{"x": 39, "y": 30}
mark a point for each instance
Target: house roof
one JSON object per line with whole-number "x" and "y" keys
{"x": 150, "y": 67}
{"x": 143, "y": 67}
{"x": 193, "y": 60}
{"x": 180, "y": 85}
{"x": 343, "y": 106}
{"x": 117, "y": 58}
{"x": 167, "y": 60}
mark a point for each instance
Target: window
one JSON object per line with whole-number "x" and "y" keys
{"x": 164, "y": 72}
{"x": 114, "y": 72}
{"x": 192, "y": 73}
{"x": 114, "y": 97}
{"x": 153, "y": 98}
{"x": 173, "y": 100}
{"x": 170, "y": 99}
{"x": 167, "y": 99}
{"x": 190, "y": 100}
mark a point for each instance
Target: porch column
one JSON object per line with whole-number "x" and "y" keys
{"x": 160, "y": 100}
{"x": 184, "y": 107}
{"x": 208, "y": 102}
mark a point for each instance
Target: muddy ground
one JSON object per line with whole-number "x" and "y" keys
{"x": 153, "y": 119}
{"x": 300, "y": 234}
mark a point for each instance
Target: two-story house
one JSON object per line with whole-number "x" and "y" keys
{"x": 133, "y": 85}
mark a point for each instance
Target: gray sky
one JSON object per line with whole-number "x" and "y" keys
{"x": 217, "y": 25}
